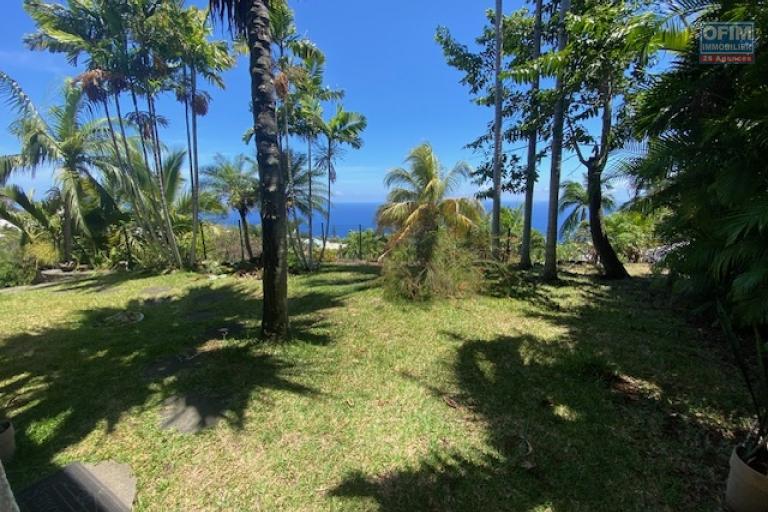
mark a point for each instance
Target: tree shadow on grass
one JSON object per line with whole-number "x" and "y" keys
{"x": 98, "y": 369}
{"x": 606, "y": 417}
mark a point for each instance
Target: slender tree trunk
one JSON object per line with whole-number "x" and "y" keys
{"x": 328, "y": 206}
{"x": 112, "y": 134}
{"x": 142, "y": 139}
{"x": 189, "y": 158}
{"x": 274, "y": 322}
{"x": 246, "y": 234}
{"x": 298, "y": 250}
{"x": 558, "y": 120}
{"x": 610, "y": 261}
{"x": 67, "y": 233}
{"x": 161, "y": 183}
{"x": 531, "y": 175}
{"x": 284, "y": 143}
{"x": 497, "y": 142}
{"x": 612, "y": 265}
{"x": 139, "y": 207}
{"x": 311, "y": 209}
{"x": 202, "y": 239}
{"x": 242, "y": 245}
{"x": 196, "y": 176}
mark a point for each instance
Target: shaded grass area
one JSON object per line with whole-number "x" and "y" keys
{"x": 585, "y": 395}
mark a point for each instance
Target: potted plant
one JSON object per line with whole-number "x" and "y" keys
{"x": 747, "y": 489}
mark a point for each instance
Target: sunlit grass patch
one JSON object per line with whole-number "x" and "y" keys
{"x": 584, "y": 395}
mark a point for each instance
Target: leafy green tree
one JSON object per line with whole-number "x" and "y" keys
{"x": 533, "y": 128}
{"x": 198, "y": 56}
{"x": 251, "y": 18}
{"x": 498, "y": 92}
{"x": 309, "y": 120}
{"x": 556, "y": 157}
{"x": 129, "y": 47}
{"x": 704, "y": 163}
{"x": 523, "y": 111}
{"x": 235, "y": 182}
{"x": 418, "y": 204}
{"x": 69, "y": 142}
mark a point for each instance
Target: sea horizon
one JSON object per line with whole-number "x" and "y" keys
{"x": 354, "y": 215}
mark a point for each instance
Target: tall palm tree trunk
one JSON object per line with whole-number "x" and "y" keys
{"x": 67, "y": 233}
{"x": 196, "y": 175}
{"x": 171, "y": 237}
{"x": 311, "y": 209}
{"x": 610, "y": 261}
{"x": 112, "y": 135}
{"x": 558, "y": 120}
{"x": 128, "y": 167}
{"x": 497, "y": 142}
{"x": 274, "y": 323}
{"x": 285, "y": 150}
{"x": 246, "y": 234}
{"x": 142, "y": 138}
{"x": 328, "y": 206}
{"x": 189, "y": 158}
{"x": 530, "y": 175}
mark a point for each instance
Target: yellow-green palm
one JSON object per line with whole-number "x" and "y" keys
{"x": 417, "y": 203}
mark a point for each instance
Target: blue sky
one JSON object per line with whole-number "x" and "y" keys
{"x": 383, "y": 55}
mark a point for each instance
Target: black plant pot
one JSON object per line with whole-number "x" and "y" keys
{"x": 747, "y": 489}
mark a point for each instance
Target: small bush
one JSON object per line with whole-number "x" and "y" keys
{"x": 367, "y": 245}
{"x": 449, "y": 273}
{"x": 16, "y": 274}
{"x": 15, "y": 268}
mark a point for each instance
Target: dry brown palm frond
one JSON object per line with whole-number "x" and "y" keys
{"x": 92, "y": 82}
{"x": 200, "y": 104}
{"x": 282, "y": 84}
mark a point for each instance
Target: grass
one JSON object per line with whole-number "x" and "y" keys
{"x": 586, "y": 395}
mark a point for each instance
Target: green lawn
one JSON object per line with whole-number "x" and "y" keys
{"x": 583, "y": 396}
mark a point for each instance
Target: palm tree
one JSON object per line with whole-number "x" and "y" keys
{"x": 32, "y": 218}
{"x": 68, "y": 142}
{"x": 251, "y": 19}
{"x": 343, "y": 128}
{"x": 290, "y": 47}
{"x": 417, "y": 205}
{"x": 235, "y": 182}
{"x": 530, "y": 175}
{"x": 302, "y": 200}
{"x": 123, "y": 52}
{"x": 575, "y": 198}
{"x": 497, "y": 140}
{"x": 198, "y": 56}
{"x": 311, "y": 118}
{"x": 309, "y": 122}
{"x": 558, "y": 121}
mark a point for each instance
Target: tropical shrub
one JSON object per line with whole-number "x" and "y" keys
{"x": 632, "y": 233}
{"x": 367, "y": 245}
{"x": 15, "y": 268}
{"x": 427, "y": 225}
{"x": 450, "y": 272}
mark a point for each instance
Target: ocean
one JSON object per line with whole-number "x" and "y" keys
{"x": 346, "y": 217}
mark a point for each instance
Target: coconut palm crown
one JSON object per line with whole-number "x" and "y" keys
{"x": 418, "y": 199}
